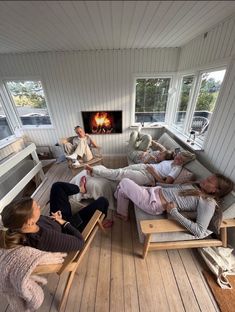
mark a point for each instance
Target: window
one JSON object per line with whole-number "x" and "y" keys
{"x": 151, "y": 99}
{"x": 30, "y": 102}
{"x": 197, "y": 100}
{"x": 5, "y": 129}
{"x": 185, "y": 97}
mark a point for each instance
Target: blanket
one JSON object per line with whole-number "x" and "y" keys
{"x": 96, "y": 187}
{"x": 23, "y": 290}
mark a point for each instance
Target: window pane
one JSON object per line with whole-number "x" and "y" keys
{"x": 151, "y": 99}
{"x": 185, "y": 93}
{"x": 5, "y": 130}
{"x": 208, "y": 94}
{"x": 30, "y": 102}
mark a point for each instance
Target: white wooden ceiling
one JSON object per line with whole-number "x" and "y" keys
{"x": 27, "y": 26}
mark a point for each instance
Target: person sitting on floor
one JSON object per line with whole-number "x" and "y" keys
{"x": 79, "y": 150}
{"x": 201, "y": 198}
{"x": 139, "y": 150}
{"x": 22, "y": 223}
{"x": 163, "y": 172}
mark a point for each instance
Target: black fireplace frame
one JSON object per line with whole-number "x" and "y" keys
{"x": 87, "y": 116}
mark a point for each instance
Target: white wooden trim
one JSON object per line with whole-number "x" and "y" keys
{"x": 12, "y": 162}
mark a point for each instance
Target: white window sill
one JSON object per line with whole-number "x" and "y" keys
{"x": 195, "y": 147}
{"x": 8, "y": 141}
{"x": 153, "y": 125}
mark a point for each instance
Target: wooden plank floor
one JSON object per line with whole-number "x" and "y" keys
{"x": 113, "y": 277}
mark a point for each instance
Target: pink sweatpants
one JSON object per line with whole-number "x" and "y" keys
{"x": 146, "y": 198}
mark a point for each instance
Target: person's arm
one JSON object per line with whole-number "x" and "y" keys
{"x": 54, "y": 241}
{"x": 91, "y": 141}
{"x": 158, "y": 146}
{"x": 156, "y": 176}
{"x": 205, "y": 211}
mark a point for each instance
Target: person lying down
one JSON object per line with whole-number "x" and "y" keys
{"x": 201, "y": 198}
{"x": 164, "y": 172}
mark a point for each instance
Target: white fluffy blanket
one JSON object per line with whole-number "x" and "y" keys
{"x": 96, "y": 187}
{"x": 22, "y": 289}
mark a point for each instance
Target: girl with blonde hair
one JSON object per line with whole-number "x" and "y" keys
{"x": 201, "y": 198}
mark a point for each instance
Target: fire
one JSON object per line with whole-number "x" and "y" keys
{"x": 102, "y": 119}
{"x": 101, "y": 123}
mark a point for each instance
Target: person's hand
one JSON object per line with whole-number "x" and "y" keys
{"x": 170, "y": 206}
{"x": 150, "y": 170}
{"x": 57, "y": 216}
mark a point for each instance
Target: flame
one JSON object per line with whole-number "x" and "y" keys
{"x": 101, "y": 119}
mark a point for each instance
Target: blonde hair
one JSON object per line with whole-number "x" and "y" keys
{"x": 225, "y": 186}
{"x": 14, "y": 216}
{"x": 187, "y": 156}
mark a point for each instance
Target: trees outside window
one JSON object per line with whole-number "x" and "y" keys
{"x": 151, "y": 99}
{"x": 29, "y": 99}
{"x": 196, "y": 102}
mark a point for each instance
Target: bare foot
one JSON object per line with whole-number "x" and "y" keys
{"x": 119, "y": 216}
{"x": 89, "y": 169}
{"x": 82, "y": 185}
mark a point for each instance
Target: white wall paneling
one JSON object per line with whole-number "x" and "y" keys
{"x": 87, "y": 80}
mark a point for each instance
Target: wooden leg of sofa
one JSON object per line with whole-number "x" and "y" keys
{"x": 146, "y": 245}
{"x": 224, "y": 236}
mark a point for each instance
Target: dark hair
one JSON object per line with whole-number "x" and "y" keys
{"x": 14, "y": 216}
{"x": 169, "y": 155}
{"x": 75, "y": 128}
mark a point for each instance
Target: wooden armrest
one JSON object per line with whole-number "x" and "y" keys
{"x": 161, "y": 226}
{"x": 227, "y": 223}
{"x": 91, "y": 224}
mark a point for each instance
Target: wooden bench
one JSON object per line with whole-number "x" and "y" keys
{"x": 149, "y": 227}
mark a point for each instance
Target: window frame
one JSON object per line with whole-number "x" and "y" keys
{"x": 12, "y": 137}
{"x": 193, "y": 100}
{"x": 11, "y": 101}
{"x": 171, "y": 76}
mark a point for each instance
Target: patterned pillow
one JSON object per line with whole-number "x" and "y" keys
{"x": 184, "y": 176}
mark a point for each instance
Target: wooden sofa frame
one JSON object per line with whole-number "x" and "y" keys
{"x": 149, "y": 227}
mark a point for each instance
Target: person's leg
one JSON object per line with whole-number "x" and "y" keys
{"x": 133, "y": 139}
{"x": 87, "y": 212}
{"x": 140, "y": 196}
{"x": 59, "y": 200}
{"x": 87, "y": 153}
{"x": 145, "y": 141}
{"x": 69, "y": 148}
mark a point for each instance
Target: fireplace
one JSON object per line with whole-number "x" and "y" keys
{"x": 102, "y": 122}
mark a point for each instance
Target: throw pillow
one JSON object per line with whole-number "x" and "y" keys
{"x": 184, "y": 176}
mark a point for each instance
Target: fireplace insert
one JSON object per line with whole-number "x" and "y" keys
{"x": 102, "y": 122}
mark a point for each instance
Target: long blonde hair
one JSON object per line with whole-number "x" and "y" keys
{"x": 14, "y": 216}
{"x": 225, "y": 186}
{"x": 187, "y": 156}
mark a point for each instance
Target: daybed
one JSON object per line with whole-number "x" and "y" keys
{"x": 159, "y": 232}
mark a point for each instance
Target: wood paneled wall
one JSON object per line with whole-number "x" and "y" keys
{"x": 88, "y": 80}
{"x": 217, "y": 45}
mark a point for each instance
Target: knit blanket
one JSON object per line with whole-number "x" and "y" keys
{"x": 23, "y": 290}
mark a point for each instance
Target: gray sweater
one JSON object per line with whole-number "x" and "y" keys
{"x": 204, "y": 208}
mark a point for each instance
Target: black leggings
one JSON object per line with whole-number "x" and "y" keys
{"x": 59, "y": 200}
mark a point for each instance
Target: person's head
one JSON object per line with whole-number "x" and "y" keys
{"x": 217, "y": 185}
{"x": 165, "y": 155}
{"x": 79, "y": 131}
{"x": 17, "y": 217}
{"x": 182, "y": 158}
